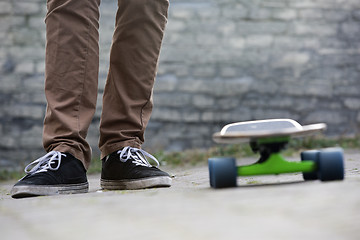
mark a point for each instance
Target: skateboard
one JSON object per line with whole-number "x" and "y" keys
{"x": 269, "y": 138}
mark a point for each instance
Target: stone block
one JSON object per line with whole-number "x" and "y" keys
{"x": 40, "y": 67}
{"x": 31, "y": 138}
{"x": 179, "y": 54}
{"x": 259, "y": 41}
{"x": 5, "y": 8}
{"x": 10, "y": 83}
{"x": 283, "y": 102}
{"x": 287, "y": 42}
{"x": 172, "y": 100}
{"x": 26, "y": 8}
{"x": 211, "y": 12}
{"x": 274, "y": 3}
{"x": 39, "y": 98}
{"x": 309, "y": 4}
{"x": 203, "y": 101}
{"x": 293, "y": 89}
{"x": 99, "y": 102}
{"x": 26, "y": 37}
{"x": 322, "y": 89}
{"x": 284, "y": 14}
{"x": 260, "y": 14}
{"x": 237, "y": 12}
{"x": 166, "y": 114}
{"x": 356, "y": 15}
{"x": 190, "y": 116}
{"x": 227, "y": 103}
{"x": 262, "y": 27}
{"x": 327, "y": 116}
{"x": 311, "y": 14}
{"x": 27, "y": 53}
{"x": 93, "y": 135}
{"x": 25, "y": 68}
{"x": 175, "y": 26}
{"x": 231, "y": 87}
{"x": 176, "y": 69}
{"x": 266, "y": 113}
{"x": 108, "y": 9}
{"x": 25, "y": 111}
{"x": 207, "y": 39}
{"x": 8, "y": 141}
{"x": 299, "y": 43}
{"x": 210, "y": 116}
{"x": 236, "y": 115}
{"x": 43, "y": 8}
{"x": 204, "y": 71}
{"x": 228, "y": 72}
{"x": 34, "y": 84}
{"x": 236, "y": 42}
{"x": 181, "y": 13}
{"x": 264, "y": 87}
{"x": 351, "y": 30}
{"x": 226, "y": 29}
{"x": 346, "y": 91}
{"x": 292, "y": 59}
{"x": 165, "y": 83}
{"x": 336, "y": 15}
{"x": 4, "y": 28}
{"x": 37, "y": 22}
{"x": 314, "y": 29}
{"x": 352, "y": 103}
{"x": 18, "y": 22}
{"x": 234, "y": 87}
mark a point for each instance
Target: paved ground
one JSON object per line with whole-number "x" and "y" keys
{"x": 271, "y": 207}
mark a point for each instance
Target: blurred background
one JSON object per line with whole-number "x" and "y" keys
{"x": 222, "y": 61}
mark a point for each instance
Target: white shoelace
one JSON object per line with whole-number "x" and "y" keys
{"x": 44, "y": 163}
{"x": 138, "y": 156}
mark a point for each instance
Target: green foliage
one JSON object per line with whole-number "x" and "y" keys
{"x": 6, "y": 175}
{"x": 95, "y": 166}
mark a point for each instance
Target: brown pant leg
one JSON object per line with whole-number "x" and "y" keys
{"x": 127, "y": 100}
{"x": 71, "y": 77}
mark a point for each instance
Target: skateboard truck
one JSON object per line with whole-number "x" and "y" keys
{"x": 266, "y": 147}
{"x": 326, "y": 164}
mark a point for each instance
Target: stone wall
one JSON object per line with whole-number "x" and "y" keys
{"x": 222, "y": 61}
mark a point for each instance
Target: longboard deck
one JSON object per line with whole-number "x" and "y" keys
{"x": 246, "y": 131}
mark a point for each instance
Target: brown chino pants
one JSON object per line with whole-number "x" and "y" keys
{"x": 71, "y": 76}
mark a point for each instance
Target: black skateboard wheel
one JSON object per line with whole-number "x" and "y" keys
{"x": 223, "y": 172}
{"x": 311, "y": 155}
{"x": 331, "y": 164}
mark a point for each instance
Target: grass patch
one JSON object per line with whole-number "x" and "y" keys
{"x": 197, "y": 156}
{"x": 95, "y": 166}
{"x": 6, "y": 175}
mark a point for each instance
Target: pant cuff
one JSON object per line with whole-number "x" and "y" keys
{"x": 106, "y": 150}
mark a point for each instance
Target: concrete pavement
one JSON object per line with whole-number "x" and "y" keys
{"x": 268, "y": 207}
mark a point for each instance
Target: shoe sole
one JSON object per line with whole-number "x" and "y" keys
{"x": 41, "y": 190}
{"x": 135, "y": 183}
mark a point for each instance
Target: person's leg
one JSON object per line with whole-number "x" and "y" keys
{"x": 71, "y": 76}
{"x": 127, "y": 100}
{"x": 71, "y": 81}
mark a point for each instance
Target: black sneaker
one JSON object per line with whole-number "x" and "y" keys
{"x": 129, "y": 169}
{"x": 54, "y": 173}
